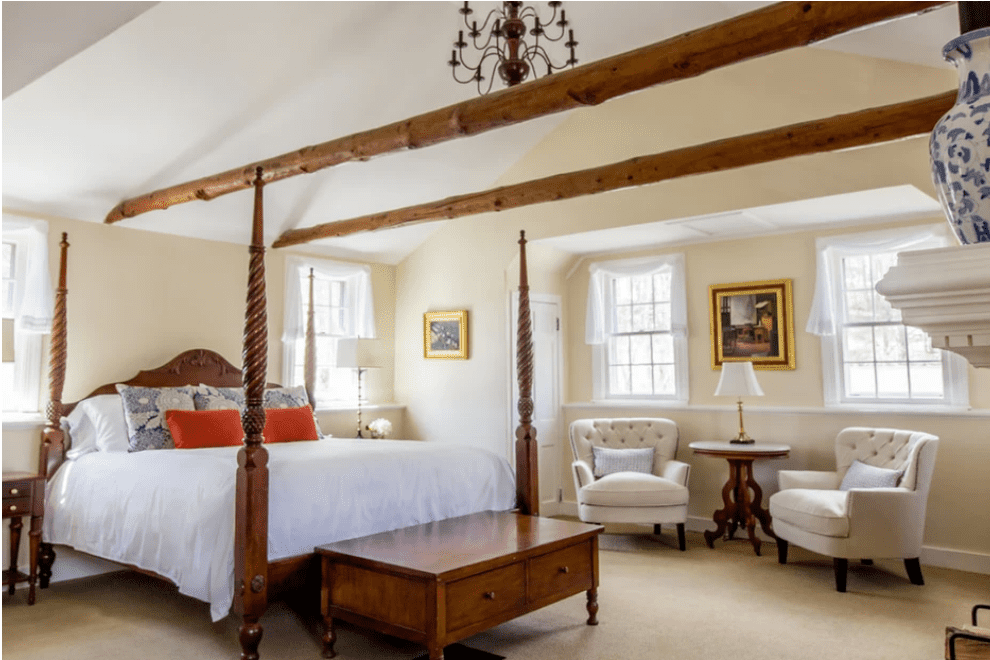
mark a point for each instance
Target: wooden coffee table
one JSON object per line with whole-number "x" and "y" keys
{"x": 440, "y": 582}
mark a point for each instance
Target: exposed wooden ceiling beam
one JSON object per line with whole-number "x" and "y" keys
{"x": 767, "y": 30}
{"x": 856, "y": 129}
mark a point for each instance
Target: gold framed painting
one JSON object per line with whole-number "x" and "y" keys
{"x": 752, "y": 322}
{"x": 445, "y": 335}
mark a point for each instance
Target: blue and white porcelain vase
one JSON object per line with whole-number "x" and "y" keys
{"x": 960, "y": 143}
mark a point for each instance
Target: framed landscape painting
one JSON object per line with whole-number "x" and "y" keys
{"x": 752, "y": 322}
{"x": 445, "y": 335}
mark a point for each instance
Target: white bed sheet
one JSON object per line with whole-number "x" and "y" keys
{"x": 172, "y": 511}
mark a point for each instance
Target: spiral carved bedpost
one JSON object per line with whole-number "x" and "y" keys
{"x": 52, "y": 440}
{"x": 309, "y": 368}
{"x": 251, "y": 543}
{"x": 527, "y": 465}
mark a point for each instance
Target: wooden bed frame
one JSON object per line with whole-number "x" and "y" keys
{"x": 255, "y": 575}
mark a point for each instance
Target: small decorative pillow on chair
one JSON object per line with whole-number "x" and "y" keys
{"x": 609, "y": 461}
{"x": 862, "y": 475}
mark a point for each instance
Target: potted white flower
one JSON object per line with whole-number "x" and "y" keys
{"x": 380, "y": 428}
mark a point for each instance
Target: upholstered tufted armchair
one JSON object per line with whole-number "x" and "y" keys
{"x": 872, "y": 506}
{"x": 635, "y": 478}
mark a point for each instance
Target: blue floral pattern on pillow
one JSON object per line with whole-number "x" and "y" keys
{"x": 144, "y": 411}
{"x": 219, "y": 398}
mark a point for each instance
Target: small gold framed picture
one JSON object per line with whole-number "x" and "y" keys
{"x": 445, "y": 335}
{"x": 752, "y": 322}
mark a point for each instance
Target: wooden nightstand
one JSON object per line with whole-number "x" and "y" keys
{"x": 23, "y": 495}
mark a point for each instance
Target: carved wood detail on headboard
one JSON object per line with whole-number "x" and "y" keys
{"x": 199, "y": 365}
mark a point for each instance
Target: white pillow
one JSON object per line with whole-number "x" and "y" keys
{"x": 106, "y": 414}
{"x": 80, "y": 434}
{"x": 610, "y": 461}
{"x": 863, "y": 475}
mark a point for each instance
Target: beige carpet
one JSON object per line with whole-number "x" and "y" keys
{"x": 656, "y": 602}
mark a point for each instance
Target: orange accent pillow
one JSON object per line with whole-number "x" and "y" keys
{"x": 289, "y": 424}
{"x": 194, "y": 429}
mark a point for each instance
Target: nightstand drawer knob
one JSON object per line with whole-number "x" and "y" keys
{"x": 490, "y": 595}
{"x": 13, "y": 507}
{"x": 14, "y": 491}
{"x": 565, "y": 569}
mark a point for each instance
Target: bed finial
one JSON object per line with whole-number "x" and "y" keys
{"x": 527, "y": 472}
{"x": 309, "y": 368}
{"x": 251, "y": 518}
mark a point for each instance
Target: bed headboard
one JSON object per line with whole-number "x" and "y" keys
{"x": 199, "y": 365}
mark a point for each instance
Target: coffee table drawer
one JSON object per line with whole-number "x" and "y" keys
{"x": 486, "y": 595}
{"x": 561, "y": 571}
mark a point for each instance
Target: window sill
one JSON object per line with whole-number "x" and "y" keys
{"x": 352, "y": 407}
{"x": 20, "y": 420}
{"x": 845, "y": 409}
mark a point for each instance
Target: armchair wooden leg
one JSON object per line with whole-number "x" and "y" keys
{"x": 781, "y": 551}
{"x": 681, "y": 542}
{"x": 841, "y": 566}
{"x": 913, "y": 567}
{"x": 656, "y": 529}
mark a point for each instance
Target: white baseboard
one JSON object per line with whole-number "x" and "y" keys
{"x": 960, "y": 560}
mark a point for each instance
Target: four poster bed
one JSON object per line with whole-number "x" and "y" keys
{"x": 167, "y": 512}
{"x": 764, "y": 31}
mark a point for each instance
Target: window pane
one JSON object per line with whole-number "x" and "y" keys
{"x": 920, "y": 346}
{"x": 892, "y": 381}
{"x": 858, "y": 344}
{"x": 8, "y": 260}
{"x": 642, "y": 289}
{"x": 661, "y": 319}
{"x": 856, "y": 272}
{"x": 926, "y": 380}
{"x": 339, "y": 325}
{"x": 859, "y": 306}
{"x": 336, "y": 294}
{"x": 890, "y": 343}
{"x": 642, "y": 380}
{"x": 623, "y": 318}
{"x": 860, "y": 380}
{"x": 321, "y": 291}
{"x": 663, "y": 379}
{"x": 619, "y": 350}
{"x": 881, "y": 263}
{"x": 619, "y": 380}
{"x": 663, "y": 348}
{"x": 322, "y": 319}
{"x": 661, "y": 287}
{"x": 642, "y": 318}
{"x": 882, "y": 309}
{"x": 8, "y": 298}
{"x": 623, "y": 290}
{"x": 639, "y": 346}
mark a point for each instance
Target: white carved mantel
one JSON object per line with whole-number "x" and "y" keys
{"x": 946, "y": 293}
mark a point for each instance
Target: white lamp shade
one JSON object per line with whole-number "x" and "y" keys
{"x": 738, "y": 379}
{"x": 359, "y": 353}
{"x": 8, "y": 340}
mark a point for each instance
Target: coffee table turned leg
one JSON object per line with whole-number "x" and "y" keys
{"x": 593, "y": 606}
{"x": 329, "y": 638}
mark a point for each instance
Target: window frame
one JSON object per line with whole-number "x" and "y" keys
{"x": 601, "y": 365}
{"x": 836, "y": 249}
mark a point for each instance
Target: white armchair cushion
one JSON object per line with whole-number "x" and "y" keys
{"x": 807, "y": 479}
{"x": 861, "y": 475}
{"x": 822, "y": 512}
{"x": 633, "y": 489}
{"x": 610, "y": 461}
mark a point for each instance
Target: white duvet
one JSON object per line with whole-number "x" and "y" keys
{"x": 172, "y": 511}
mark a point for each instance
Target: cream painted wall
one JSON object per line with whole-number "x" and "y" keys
{"x": 464, "y": 266}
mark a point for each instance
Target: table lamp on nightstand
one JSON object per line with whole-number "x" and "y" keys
{"x": 361, "y": 354}
{"x": 739, "y": 379}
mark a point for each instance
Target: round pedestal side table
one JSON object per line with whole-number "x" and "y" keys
{"x": 742, "y": 496}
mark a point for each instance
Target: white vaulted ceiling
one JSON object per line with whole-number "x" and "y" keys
{"x": 182, "y": 90}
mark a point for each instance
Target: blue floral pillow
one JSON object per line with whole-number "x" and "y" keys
{"x": 144, "y": 412}
{"x": 219, "y": 398}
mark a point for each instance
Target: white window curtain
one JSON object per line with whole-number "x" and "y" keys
{"x": 32, "y": 309}
{"x": 599, "y": 324}
{"x": 822, "y": 320}
{"x": 358, "y": 279}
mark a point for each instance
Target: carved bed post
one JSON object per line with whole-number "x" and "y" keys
{"x": 52, "y": 440}
{"x": 310, "y": 360}
{"x": 251, "y": 519}
{"x": 527, "y": 471}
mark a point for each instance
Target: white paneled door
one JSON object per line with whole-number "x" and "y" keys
{"x": 545, "y": 315}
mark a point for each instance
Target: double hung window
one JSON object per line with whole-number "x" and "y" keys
{"x": 869, "y": 355}
{"x": 636, "y": 321}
